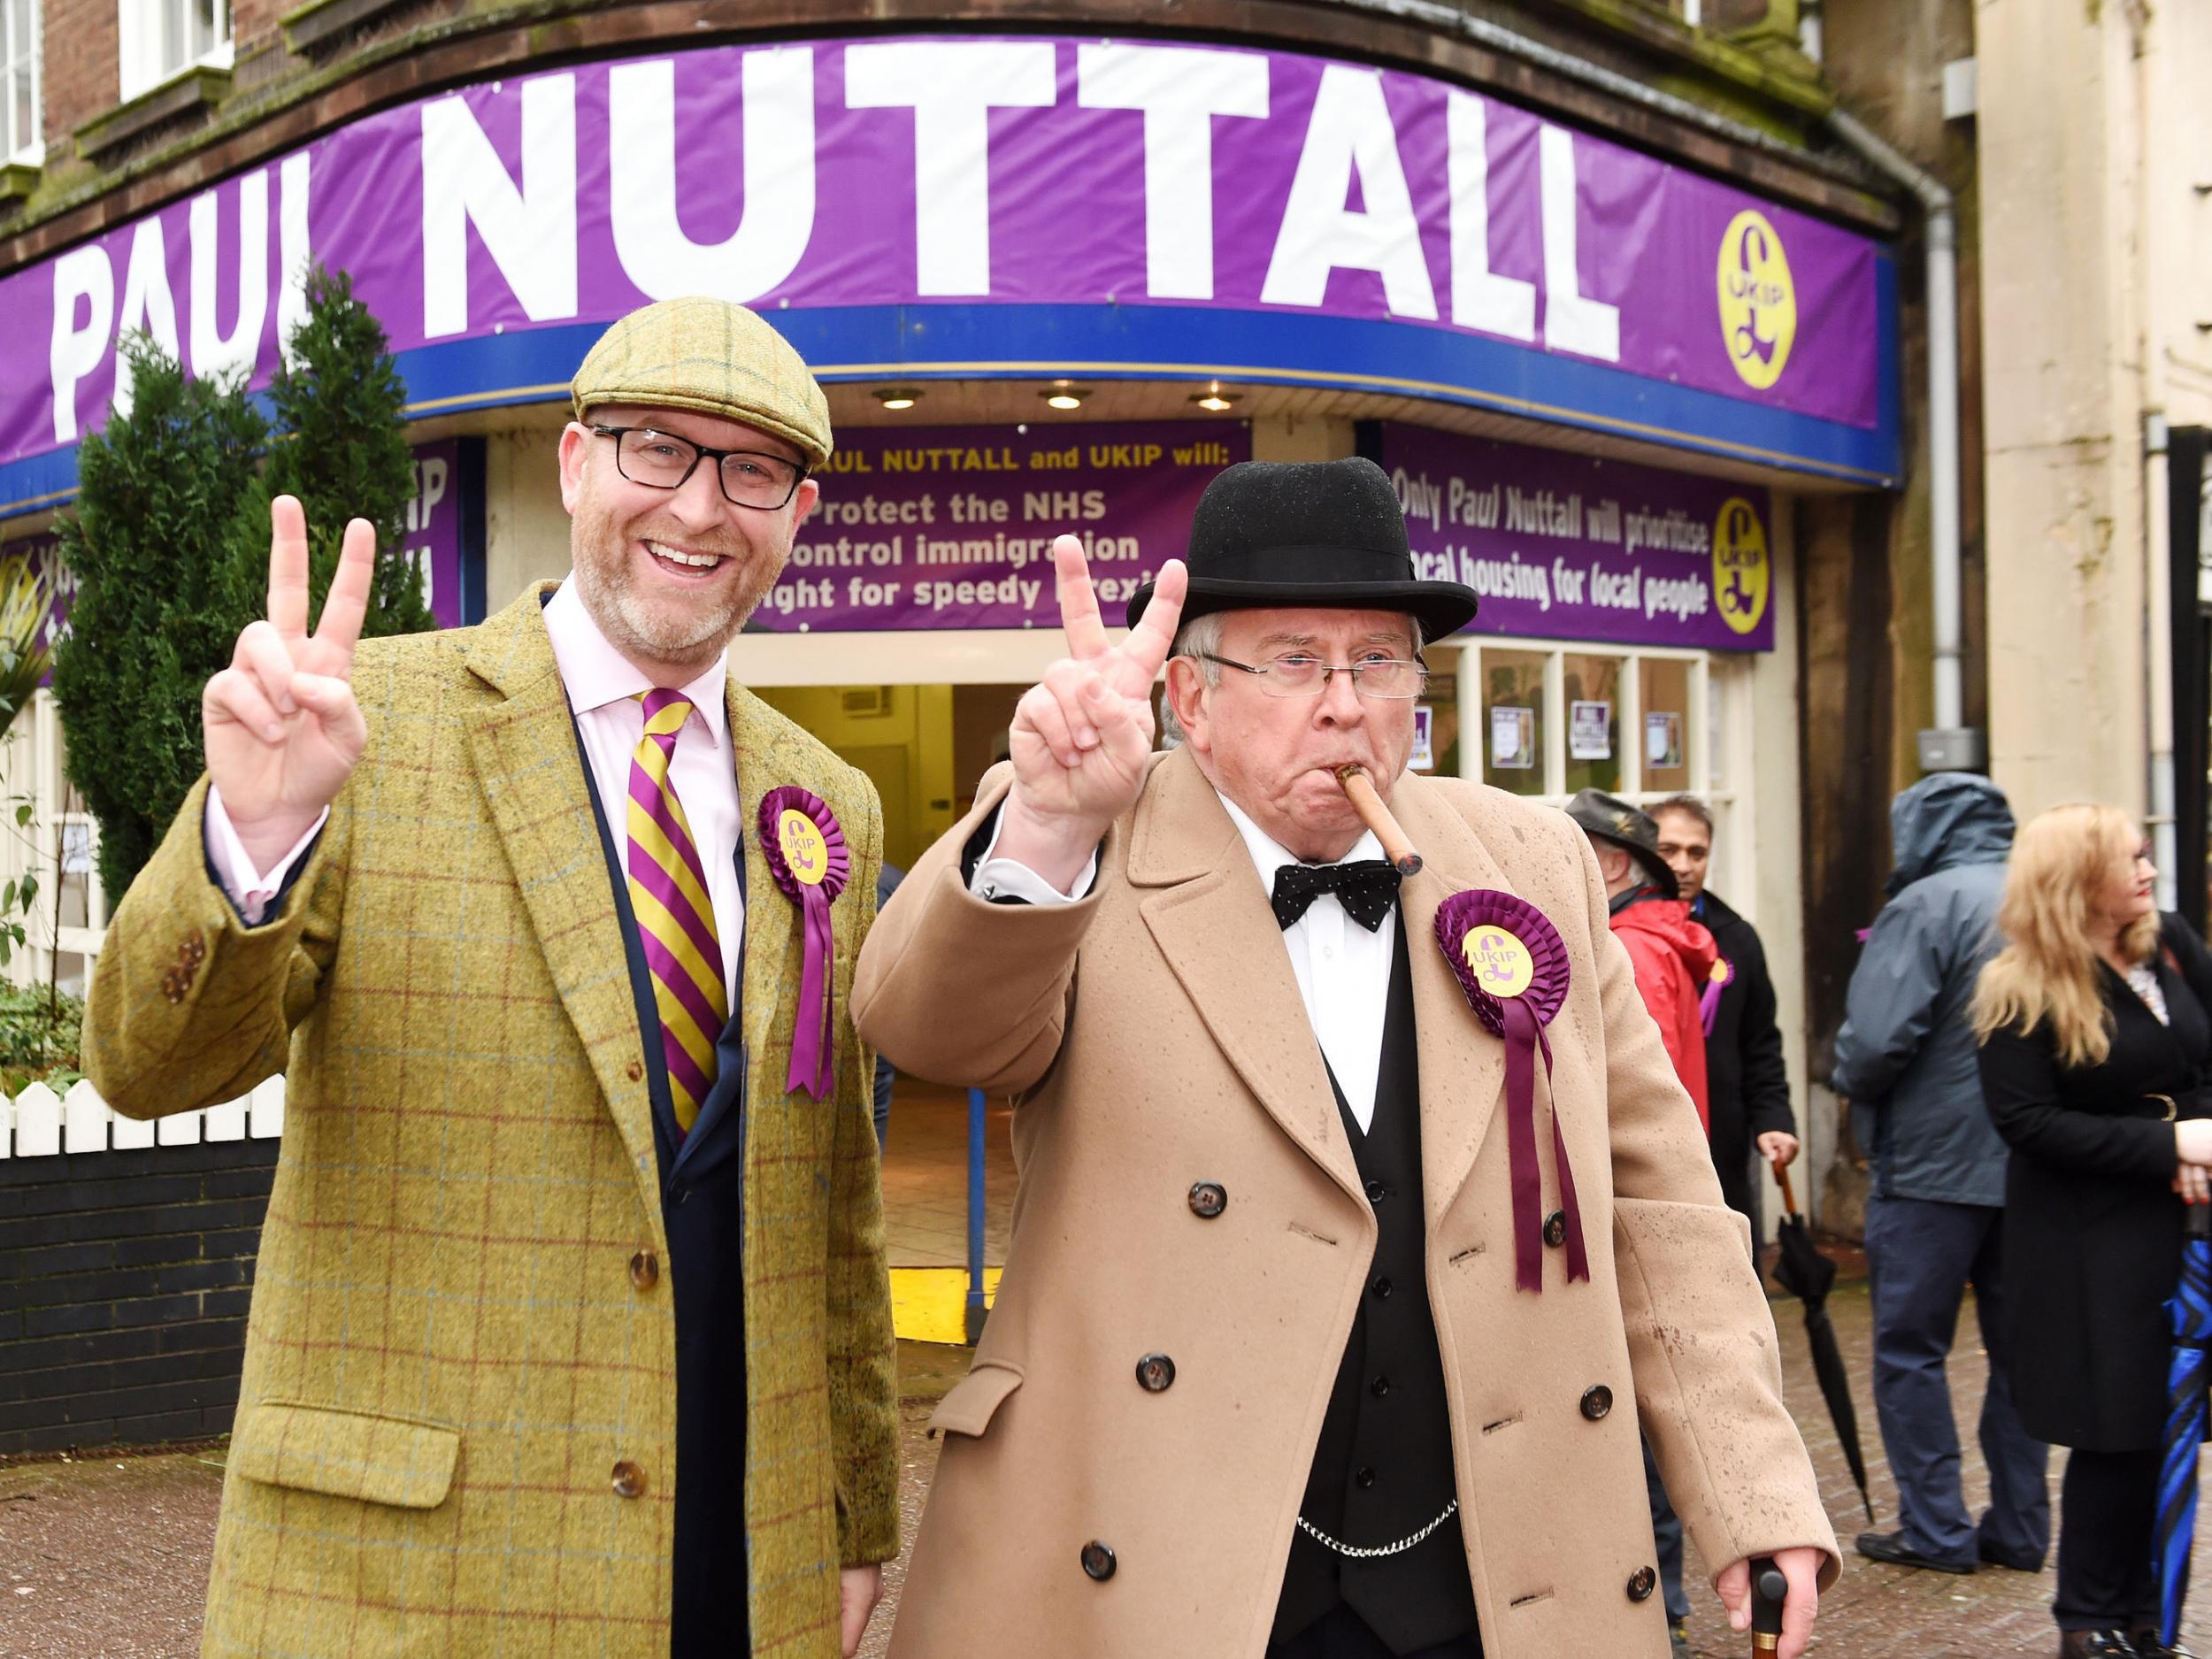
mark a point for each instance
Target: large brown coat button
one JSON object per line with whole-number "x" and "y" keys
{"x": 645, "y": 1269}
{"x": 1556, "y": 1228}
{"x": 1209, "y": 1199}
{"x": 629, "y": 1480}
{"x": 1098, "y": 1561}
{"x": 1596, "y": 1401}
{"x": 1156, "y": 1373}
{"x": 1640, "y": 1584}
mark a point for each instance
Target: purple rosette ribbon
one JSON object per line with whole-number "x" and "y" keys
{"x": 1512, "y": 964}
{"x": 805, "y": 848}
{"x": 1709, "y": 999}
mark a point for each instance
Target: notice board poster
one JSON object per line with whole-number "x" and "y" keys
{"x": 953, "y": 527}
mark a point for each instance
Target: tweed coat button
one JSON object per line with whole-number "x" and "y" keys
{"x": 1640, "y": 1584}
{"x": 645, "y": 1269}
{"x": 634, "y": 1070}
{"x": 1098, "y": 1561}
{"x": 1209, "y": 1199}
{"x": 629, "y": 1480}
{"x": 1156, "y": 1373}
{"x": 1596, "y": 1401}
{"x": 1556, "y": 1228}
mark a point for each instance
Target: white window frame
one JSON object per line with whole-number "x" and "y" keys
{"x": 33, "y": 153}
{"x": 1718, "y": 685}
{"x": 139, "y": 64}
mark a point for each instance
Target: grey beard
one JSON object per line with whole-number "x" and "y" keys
{"x": 662, "y": 637}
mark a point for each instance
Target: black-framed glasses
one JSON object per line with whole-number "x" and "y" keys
{"x": 1302, "y": 674}
{"x": 661, "y": 460}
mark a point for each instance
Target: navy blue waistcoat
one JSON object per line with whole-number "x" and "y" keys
{"x": 702, "y": 1191}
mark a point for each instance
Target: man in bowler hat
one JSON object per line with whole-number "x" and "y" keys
{"x": 1259, "y": 1380}
{"x": 570, "y": 1328}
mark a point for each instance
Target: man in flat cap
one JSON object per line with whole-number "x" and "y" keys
{"x": 570, "y": 1330}
{"x": 1305, "y": 1347}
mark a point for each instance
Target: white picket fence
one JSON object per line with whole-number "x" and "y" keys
{"x": 40, "y": 1124}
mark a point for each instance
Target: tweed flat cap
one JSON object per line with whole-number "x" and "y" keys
{"x": 710, "y": 356}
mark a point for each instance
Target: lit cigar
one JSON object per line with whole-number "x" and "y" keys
{"x": 1377, "y": 817}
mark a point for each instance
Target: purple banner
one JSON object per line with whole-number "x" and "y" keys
{"x": 904, "y": 172}
{"x": 432, "y": 543}
{"x": 41, "y": 552}
{"x": 952, "y": 526}
{"x": 1567, "y": 547}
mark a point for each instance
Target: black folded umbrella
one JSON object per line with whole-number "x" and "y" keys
{"x": 1806, "y": 1274}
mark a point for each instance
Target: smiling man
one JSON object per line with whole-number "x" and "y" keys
{"x": 1276, "y": 1367}
{"x": 571, "y": 1331}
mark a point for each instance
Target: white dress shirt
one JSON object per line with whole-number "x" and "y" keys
{"x": 601, "y": 686}
{"x": 1343, "y": 971}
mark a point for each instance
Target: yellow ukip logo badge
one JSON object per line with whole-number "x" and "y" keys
{"x": 1739, "y": 564}
{"x": 1758, "y": 302}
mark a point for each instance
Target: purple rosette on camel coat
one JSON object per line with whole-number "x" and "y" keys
{"x": 804, "y": 847}
{"x": 1512, "y": 964}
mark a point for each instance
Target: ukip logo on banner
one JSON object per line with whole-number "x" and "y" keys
{"x": 1758, "y": 302}
{"x": 1739, "y": 564}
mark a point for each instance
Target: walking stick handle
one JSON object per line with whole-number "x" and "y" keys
{"x": 1769, "y": 1589}
{"x": 1782, "y": 1177}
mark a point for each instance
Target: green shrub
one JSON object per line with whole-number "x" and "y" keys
{"x": 36, "y": 1041}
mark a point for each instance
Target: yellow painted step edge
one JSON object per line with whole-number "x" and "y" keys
{"x": 929, "y": 1304}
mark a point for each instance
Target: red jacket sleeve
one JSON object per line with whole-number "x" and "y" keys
{"x": 1664, "y": 984}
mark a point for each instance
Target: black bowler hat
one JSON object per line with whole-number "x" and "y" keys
{"x": 1271, "y": 534}
{"x": 1610, "y": 818}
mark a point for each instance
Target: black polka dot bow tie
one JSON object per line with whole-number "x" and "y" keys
{"x": 1366, "y": 887}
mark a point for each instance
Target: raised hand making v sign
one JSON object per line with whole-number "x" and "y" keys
{"x": 283, "y": 730}
{"x": 1082, "y": 736}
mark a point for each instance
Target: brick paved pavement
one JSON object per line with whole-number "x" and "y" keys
{"x": 98, "y": 1563}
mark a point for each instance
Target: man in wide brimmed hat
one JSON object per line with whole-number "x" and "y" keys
{"x": 1302, "y": 1350}
{"x": 571, "y": 1331}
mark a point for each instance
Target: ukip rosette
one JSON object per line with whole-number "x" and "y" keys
{"x": 804, "y": 847}
{"x": 1512, "y": 964}
{"x": 1708, "y": 995}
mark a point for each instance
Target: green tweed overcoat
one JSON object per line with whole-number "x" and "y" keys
{"x": 451, "y": 1348}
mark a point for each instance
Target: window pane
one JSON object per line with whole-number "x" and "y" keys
{"x": 1593, "y": 687}
{"x": 1442, "y": 700}
{"x": 1513, "y": 720}
{"x": 1666, "y": 699}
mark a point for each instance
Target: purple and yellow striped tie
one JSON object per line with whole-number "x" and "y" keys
{"x": 675, "y": 918}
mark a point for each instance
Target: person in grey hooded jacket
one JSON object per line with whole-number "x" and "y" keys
{"x": 1906, "y": 1058}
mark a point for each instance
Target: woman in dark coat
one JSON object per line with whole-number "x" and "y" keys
{"x": 2096, "y": 1046}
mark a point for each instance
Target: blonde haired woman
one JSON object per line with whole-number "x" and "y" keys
{"x": 2096, "y": 1044}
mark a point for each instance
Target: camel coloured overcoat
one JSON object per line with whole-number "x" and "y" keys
{"x": 1154, "y": 1038}
{"x": 463, "y": 1315}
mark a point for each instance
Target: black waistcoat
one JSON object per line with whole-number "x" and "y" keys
{"x": 703, "y": 1212}
{"x": 1383, "y": 1468}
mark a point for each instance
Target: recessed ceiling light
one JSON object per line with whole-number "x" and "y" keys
{"x": 1214, "y": 398}
{"x": 1064, "y": 396}
{"x": 898, "y": 397}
